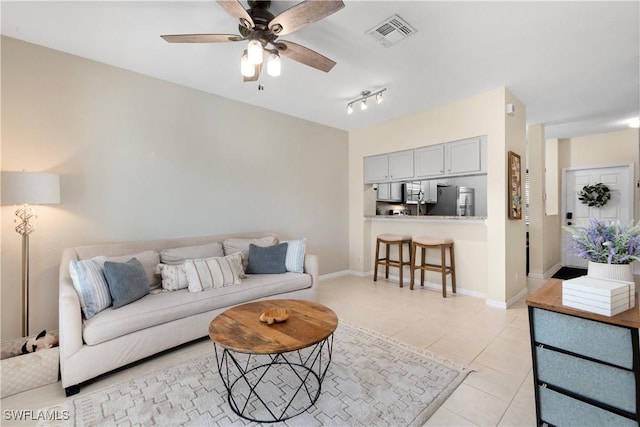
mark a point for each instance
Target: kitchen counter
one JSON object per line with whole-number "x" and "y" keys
{"x": 427, "y": 218}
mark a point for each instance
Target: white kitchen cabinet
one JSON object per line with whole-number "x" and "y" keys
{"x": 429, "y": 161}
{"x": 463, "y": 156}
{"x": 390, "y": 192}
{"x": 453, "y": 158}
{"x": 376, "y": 168}
{"x": 401, "y": 165}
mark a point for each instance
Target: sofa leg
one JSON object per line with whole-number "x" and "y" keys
{"x": 74, "y": 389}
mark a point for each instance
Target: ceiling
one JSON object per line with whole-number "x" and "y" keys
{"x": 575, "y": 65}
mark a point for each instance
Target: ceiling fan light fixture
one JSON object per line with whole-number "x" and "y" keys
{"x": 246, "y": 67}
{"x": 363, "y": 104}
{"x": 254, "y": 49}
{"x": 274, "y": 64}
{"x": 349, "y": 108}
{"x": 379, "y": 98}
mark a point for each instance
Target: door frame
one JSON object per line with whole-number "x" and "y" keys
{"x": 563, "y": 200}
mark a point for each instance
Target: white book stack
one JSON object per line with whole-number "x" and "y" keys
{"x": 596, "y": 295}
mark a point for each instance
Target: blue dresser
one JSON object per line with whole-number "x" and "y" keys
{"x": 586, "y": 367}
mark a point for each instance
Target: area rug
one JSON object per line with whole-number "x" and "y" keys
{"x": 372, "y": 380}
{"x": 566, "y": 273}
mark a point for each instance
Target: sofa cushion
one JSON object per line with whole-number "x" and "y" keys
{"x": 173, "y": 276}
{"x": 127, "y": 281}
{"x": 180, "y": 255}
{"x": 268, "y": 260}
{"x": 295, "y": 255}
{"x": 231, "y": 246}
{"x": 168, "y": 306}
{"x": 216, "y": 272}
{"x": 149, "y": 260}
{"x": 90, "y": 284}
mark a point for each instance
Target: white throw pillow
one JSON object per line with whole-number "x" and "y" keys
{"x": 173, "y": 276}
{"x": 294, "y": 261}
{"x": 91, "y": 285}
{"x": 216, "y": 272}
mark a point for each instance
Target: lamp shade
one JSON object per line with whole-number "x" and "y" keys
{"x": 30, "y": 187}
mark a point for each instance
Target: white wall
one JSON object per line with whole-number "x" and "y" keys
{"x": 141, "y": 158}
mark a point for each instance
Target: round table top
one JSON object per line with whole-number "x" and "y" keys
{"x": 240, "y": 329}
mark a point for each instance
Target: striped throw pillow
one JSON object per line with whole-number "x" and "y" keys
{"x": 215, "y": 272}
{"x": 294, "y": 261}
{"x": 91, "y": 285}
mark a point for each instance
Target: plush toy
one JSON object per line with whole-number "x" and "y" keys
{"x": 40, "y": 342}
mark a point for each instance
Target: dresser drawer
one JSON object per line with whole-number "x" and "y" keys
{"x": 561, "y": 410}
{"x": 596, "y": 340}
{"x": 613, "y": 386}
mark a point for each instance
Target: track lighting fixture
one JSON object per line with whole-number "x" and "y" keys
{"x": 364, "y": 95}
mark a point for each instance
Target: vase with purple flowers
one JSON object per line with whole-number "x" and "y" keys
{"x": 610, "y": 247}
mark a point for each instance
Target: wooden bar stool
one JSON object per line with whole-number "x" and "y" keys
{"x": 425, "y": 243}
{"x": 388, "y": 240}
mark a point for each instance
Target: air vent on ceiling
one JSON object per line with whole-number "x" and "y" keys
{"x": 391, "y": 31}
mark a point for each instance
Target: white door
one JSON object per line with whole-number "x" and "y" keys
{"x": 618, "y": 178}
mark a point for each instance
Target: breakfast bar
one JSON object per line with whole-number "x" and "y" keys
{"x": 469, "y": 234}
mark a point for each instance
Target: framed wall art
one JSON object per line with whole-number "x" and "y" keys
{"x": 515, "y": 186}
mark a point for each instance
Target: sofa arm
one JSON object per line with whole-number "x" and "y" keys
{"x": 311, "y": 267}
{"x": 69, "y": 313}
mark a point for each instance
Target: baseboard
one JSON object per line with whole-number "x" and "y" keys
{"x": 504, "y": 305}
{"x": 406, "y": 281}
{"x": 334, "y": 274}
{"x": 547, "y": 274}
{"x": 553, "y": 270}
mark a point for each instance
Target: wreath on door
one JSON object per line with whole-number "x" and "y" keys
{"x": 596, "y": 195}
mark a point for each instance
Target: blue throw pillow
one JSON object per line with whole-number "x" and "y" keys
{"x": 127, "y": 281}
{"x": 267, "y": 260}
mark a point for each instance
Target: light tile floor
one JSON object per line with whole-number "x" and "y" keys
{"x": 491, "y": 341}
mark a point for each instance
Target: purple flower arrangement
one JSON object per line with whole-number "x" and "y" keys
{"x": 607, "y": 243}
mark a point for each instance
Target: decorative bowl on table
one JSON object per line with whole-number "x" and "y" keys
{"x": 274, "y": 315}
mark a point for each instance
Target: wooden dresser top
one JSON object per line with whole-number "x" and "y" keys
{"x": 549, "y": 297}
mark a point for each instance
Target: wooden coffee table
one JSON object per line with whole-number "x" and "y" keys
{"x": 273, "y": 372}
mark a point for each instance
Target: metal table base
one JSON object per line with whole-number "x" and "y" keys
{"x": 274, "y": 387}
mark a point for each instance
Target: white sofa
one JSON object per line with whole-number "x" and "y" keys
{"x": 116, "y": 337}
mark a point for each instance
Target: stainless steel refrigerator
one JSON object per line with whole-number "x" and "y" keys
{"x": 454, "y": 201}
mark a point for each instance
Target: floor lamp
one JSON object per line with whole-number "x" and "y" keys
{"x": 25, "y": 189}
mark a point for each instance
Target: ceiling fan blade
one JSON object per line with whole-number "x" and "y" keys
{"x": 256, "y": 74}
{"x": 201, "y": 38}
{"x": 304, "y": 55}
{"x": 235, "y": 9}
{"x": 303, "y": 14}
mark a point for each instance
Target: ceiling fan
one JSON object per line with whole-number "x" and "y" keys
{"x": 262, "y": 29}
